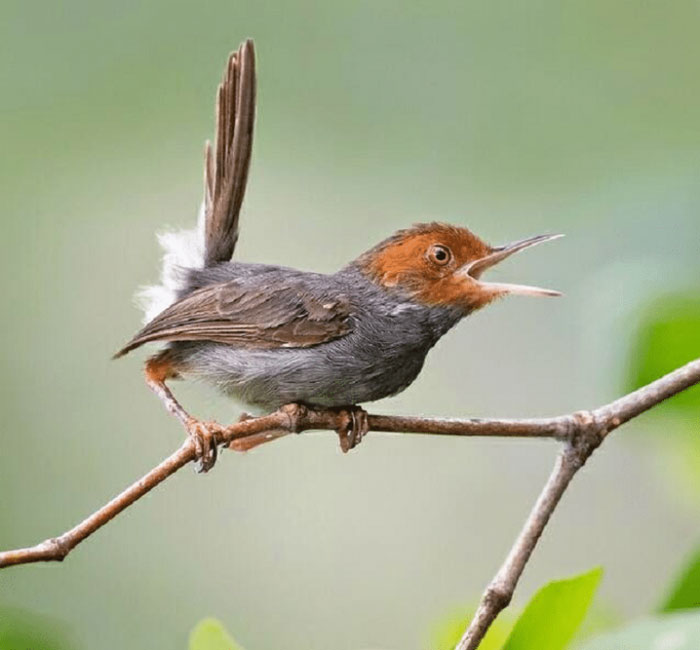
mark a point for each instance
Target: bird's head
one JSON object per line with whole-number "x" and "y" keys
{"x": 441, "y": 265}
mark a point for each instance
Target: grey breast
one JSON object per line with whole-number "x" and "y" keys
{"x": 381, "y": 355}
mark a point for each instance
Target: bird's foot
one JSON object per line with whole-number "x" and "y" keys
{"x": 354, "y": 427}
{"x": 250, "y": 442}
{"x": 204, "y": 436}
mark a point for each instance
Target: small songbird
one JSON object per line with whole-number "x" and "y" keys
{"x": 270, "y": 335}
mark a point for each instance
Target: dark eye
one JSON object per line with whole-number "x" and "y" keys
{"x": 439, "y": 254}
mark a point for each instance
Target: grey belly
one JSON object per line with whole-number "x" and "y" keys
{"x": 337, "y": 373}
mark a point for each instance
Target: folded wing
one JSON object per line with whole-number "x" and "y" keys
{"x": 238, "y": 313}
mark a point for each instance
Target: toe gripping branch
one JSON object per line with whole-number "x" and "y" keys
{"x": 353, "y": 422}
{"x": 204, "y": 434}
{"x": 353, "y": 427}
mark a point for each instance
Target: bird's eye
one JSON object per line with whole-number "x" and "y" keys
{"x": 440, "y": 255}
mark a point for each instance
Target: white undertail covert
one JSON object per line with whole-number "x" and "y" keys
{"x": 182, "y": 250}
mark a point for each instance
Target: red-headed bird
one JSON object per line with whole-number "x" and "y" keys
{"x": 271, "y": 335}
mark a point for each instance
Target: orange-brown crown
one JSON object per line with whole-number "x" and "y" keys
{"x": 425, "y": 260}
{"x": 441, "y": 265}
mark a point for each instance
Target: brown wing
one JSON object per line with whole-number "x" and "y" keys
{"x": 226, "y": 170}
{"x": 242, "y": 313}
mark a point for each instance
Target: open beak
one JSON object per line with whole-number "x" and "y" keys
{"x": 477, "y": 267}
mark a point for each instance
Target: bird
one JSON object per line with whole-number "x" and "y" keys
{"x": 270, "y": 335}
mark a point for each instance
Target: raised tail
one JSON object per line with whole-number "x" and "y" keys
{"x": 226, "y": 169}
{"x": 225, "y": 175}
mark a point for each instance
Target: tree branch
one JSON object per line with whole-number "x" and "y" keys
{"x": 588, "y": 430}
{"x": 581, "y": 433}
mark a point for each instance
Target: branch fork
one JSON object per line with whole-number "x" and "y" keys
{"x": 581, "y": 434}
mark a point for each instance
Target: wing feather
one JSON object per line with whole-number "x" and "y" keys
{"x": 242, "y": 313}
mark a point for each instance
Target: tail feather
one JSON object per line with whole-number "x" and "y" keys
{"x": 225, "y": 176}
{"x": 226, "y": 168}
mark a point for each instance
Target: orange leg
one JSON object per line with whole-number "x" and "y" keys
{"x": 157, "y": 370}
{"x": 160, "y": 368}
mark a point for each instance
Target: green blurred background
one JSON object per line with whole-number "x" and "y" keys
{"x": 512, "y": 118}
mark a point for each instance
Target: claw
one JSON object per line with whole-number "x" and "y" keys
{"x": 354, "y": 429}
{"x": 204, "y": 436}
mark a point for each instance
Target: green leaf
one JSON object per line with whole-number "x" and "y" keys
{"x": 677, "y": 631}
{"x": 600, "y": 618}
{"x": 449, "y": 631}
{"x": 20, "y": 629}
{"x": 668, "y": 338}
{"x": 210, "y": 634}
{"x": 555, "y": 612}
{"x": 685, "y": 593}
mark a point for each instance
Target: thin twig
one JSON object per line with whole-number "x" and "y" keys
{"x": 579, "y": 432}
{"x": 589, "y": 429}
